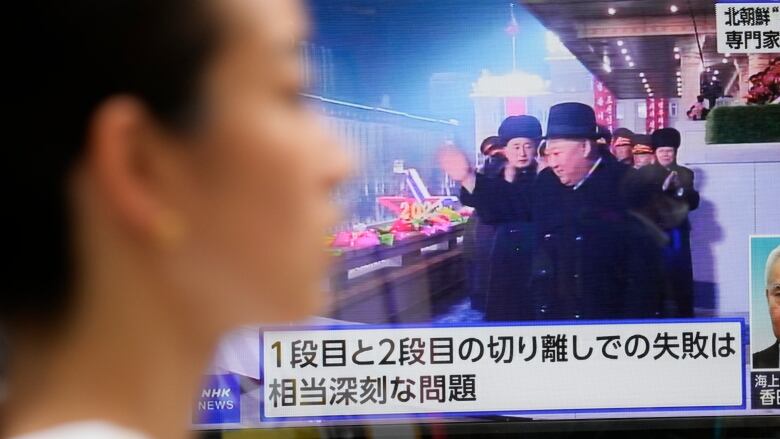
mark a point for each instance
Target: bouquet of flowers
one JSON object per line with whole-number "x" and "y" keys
{"x": 415, "y": 219}
{"x": 765, "y": 85}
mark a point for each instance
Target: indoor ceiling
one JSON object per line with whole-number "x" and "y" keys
{"x": 646, "y": 31}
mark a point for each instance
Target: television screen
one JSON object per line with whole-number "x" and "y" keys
{"x": 558, "y": 211}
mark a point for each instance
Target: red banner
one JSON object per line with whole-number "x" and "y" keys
{"x": 657, "y": 114}
{"x": 605, "y": 105}
{"x": 515, "y": 106}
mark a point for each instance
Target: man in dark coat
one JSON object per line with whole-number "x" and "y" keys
{"x": 677, "y": 254}
{"x": 588, "y": 262}
{"x": 503, "y": 201}
{"x": 769, "y": 358}
{"x": 478, "y": 236}
{"x": 508, "y": 296}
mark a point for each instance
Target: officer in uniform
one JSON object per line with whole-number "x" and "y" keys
{"x": 642, "y": 151}
{"x": 622, "y": 145}
{"x": 679, "y": 180}
{"x": 587, "y": 262}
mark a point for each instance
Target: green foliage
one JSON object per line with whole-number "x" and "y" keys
{"x": 744, "y": 124}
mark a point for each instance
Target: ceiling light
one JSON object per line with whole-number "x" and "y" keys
{"x": 676, "y": 49}
{"x": 714, "y": 78}
{"x": 728, "y": 55}
{"x": 678, "y": 73}
{"x": 624, "y": 51}
{"x": 676, "y": 56}
{"x": 717, "y": 72}
{"x": 709, "y": 69}
{"x": 651, "y": 95}
{"x": 644, "y": 80}
{"x": 641, "y": 74}
{"x": 631, "y": 63}
{"x": 725, "y": 61}
{"x": 674, "y": 9}
{"x": 611, "y": 11}
{"x": 620, "y": 43}
{"x": 628, "y": 57}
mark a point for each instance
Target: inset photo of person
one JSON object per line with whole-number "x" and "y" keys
{"x": 765, "y": 302}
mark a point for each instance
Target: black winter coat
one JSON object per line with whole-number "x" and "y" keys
{"x": 591, "y": 259}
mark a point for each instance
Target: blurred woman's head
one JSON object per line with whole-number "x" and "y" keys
{"x": 158, "y": 138}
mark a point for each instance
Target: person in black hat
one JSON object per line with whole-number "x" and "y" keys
{"x": 504, "y": 202}
{"x": 585, "y": 264}
{"x": 680, "y": 182}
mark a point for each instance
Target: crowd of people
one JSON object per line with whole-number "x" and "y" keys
{"x": 577, "y": 222}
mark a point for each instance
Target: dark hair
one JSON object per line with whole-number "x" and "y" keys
{"x": 490, "y": 143}
{"x": 605, "y": 134}
{"x": 72, "y": 57}
{"x": 542, "y": 151}
{"x": 623, "y": 132}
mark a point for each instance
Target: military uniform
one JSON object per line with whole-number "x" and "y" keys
{"x": 624, "y": 137}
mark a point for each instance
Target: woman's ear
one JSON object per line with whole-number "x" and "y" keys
{"x": 125, "y": 157}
